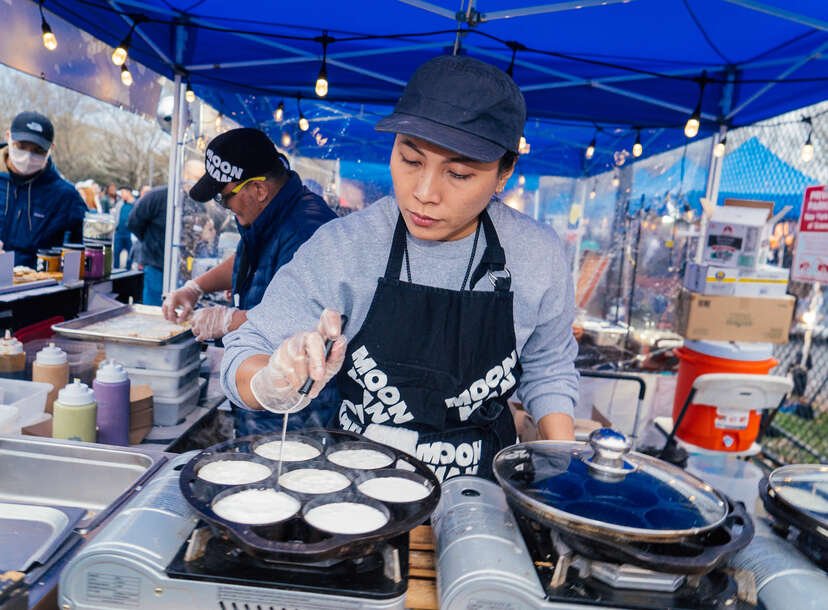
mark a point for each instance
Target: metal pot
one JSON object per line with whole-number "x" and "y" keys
{"x": 602, "y": 490}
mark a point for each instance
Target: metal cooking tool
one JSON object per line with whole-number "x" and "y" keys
{"x": 295, "y": 540}
{"x": 30, "y": 533}
{"x": 601, "y": 490}
{"x": 46, "y": 471}
{"x": 77, "y": 328}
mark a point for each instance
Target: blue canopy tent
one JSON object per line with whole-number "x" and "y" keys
{"x": 754, "y": 172}
{"x": 612, "y": 70}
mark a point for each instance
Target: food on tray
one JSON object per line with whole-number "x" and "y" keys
{"x": 256, "y": 506}
{"x": 394, "y": 489}
{"x": 363, "y": 459}
{"x": 233, "y": 472}
{"x": 346, "y": 518}
{"x": 138, "y": 325}
{"x": 313, "y": 481}
{"x": 295, "y": 451}
{"x": 23, "y": 275}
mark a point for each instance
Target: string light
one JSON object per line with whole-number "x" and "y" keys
{"x": 286, "y": 139}
{"x": 119, "y": 55}
{"x": 638, "y": 150}
{"x": 691, "y": 128}
{"x": 590, "y": 150}
{"x": 322, "y": 78}
{"x": 521, "y": 180}
{"x": 524, "y": 147}
{"x": 218, "y": 122}
{"x": 303, "y": 122}
{"x": 592, "y": 193}
{"x": 189, "y": 95}
{"x": 719, "y": 149}
{"x": 616, "y": 179}
{"x": 807, "y": 153}
{"x": 126, "y": 76}
{"x": 279, "y": 114}
{"x": 49, "y": 39}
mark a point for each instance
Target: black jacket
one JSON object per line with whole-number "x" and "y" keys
{"x": 148, "y": 220}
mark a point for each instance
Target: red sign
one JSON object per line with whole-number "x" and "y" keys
{"x": 810, "y": 262}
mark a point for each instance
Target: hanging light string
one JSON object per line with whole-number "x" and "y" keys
{"x": 463, "y": 31}
{"x": 322, "y": 79}
{"x": 691, "y": 128}
{"x": 515, "y": 46}
{"x": 304, "y": 125}
{"x": 49, "y": 38}
{"x": 807, "y": 153}
{"x": 119, "y": 55}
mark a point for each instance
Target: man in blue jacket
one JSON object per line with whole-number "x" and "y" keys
{"x": 275, "y": 214}
{"x": 39, "y": 207}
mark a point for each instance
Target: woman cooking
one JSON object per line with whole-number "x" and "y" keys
{"x": 453, "y": 299}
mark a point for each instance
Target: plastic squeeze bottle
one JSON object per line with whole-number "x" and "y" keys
{"x": 111, "y": 387}
{"x": 51, "y": 365}
{"x": 74, "y": 413}
{"x": 12, "y": 358}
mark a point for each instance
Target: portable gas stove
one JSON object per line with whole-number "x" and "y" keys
{"x": 538, "y": 569}
{"x": 156, "y": 554}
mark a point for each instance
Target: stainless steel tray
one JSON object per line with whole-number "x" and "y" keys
{"x": 52, "y": 472}
{"x": 77, "y": 328}
{"x": 30, "y": 533}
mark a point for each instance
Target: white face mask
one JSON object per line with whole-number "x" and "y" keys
{"x": 26, "y": 163}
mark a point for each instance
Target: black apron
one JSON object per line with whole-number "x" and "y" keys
{"x": 431, "y": 368}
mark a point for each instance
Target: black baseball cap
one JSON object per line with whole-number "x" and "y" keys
{"x": 462, "y": 104}
{"x": 235, "y": 156}
{"x": 33, "y": 127}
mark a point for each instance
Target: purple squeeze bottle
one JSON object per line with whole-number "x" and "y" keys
{"x": 111, "y": 388}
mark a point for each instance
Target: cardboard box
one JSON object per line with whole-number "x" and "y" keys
{"x": 734, "y": 237}
{"x": 764, "y": 281}
{"x": 729, "y": 318}
{"x": 140, "y": 413}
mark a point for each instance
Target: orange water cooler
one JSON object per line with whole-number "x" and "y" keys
{"x": 706, "y": 426}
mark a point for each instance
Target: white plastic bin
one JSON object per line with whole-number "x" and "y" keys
{"x": 28, "y": 397}
{"x": 169, "y": 411}
{"x": 169, "y": 357}
{"x": 166, "y": 384}
{"x": 9, "y": 420}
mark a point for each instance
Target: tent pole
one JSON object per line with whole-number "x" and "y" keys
{"x": 173, "y": 189}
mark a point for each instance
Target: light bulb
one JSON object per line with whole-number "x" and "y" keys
{"x": 126, "y": 77}
{"x": 321, "y": 87}
{"x": 616, "y": 180}
{"x": 189, "y": 95}
{"x": 119, "y": 55}
{"x": 807, "y": 153}
{"x": 279, "y": 114}
{"x": 638, "y": 150}
{"x": 303, "y": 123}
{"x": 285, "y": 139}
{"x": 691, "y": 128}
{"x": 592, "y": 194}
{"x": 521, "y": 180}
{"x": 719, "y": 149}
{"x": 590, "y": 150}
{"x": 49, "y": 39}
{"x": 523, "y": 146}
{"x": 218, "y": 122}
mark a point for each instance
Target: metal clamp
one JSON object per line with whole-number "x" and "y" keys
{"x": 496, "y": 279}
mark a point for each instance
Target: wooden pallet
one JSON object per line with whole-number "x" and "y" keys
{"x": 422, "y": 574}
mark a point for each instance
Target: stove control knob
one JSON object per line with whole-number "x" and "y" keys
{"x": 609, "y": 450}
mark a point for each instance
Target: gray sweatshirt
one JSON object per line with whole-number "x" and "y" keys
{"x": 338, "y": 268}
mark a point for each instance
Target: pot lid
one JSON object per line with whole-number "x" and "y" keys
{"x": 803, "y": 487}
{"x": 602, "y": 485}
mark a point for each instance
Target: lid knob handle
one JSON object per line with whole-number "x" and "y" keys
{"x": 609, "y": 450}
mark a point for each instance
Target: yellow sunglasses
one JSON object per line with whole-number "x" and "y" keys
{"x": 222, "y": 200}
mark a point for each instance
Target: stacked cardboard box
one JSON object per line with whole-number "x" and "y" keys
{"x": 732, "y": 295}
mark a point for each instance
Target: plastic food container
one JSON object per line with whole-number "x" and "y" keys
{"x": 82, "y": 356}
{"x": 28, "y": 397}
{"x": 166, "y": 384}
{"x": 167, "y": 357}
{"x": 696, "y": 358}
{"x": 9, "y": 420}
{"x": 169, "y": 411}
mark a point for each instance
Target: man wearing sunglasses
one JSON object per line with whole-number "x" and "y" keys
{"x": 275, "y": 214}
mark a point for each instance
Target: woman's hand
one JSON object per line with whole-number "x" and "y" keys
{"x": 276, "y": 386}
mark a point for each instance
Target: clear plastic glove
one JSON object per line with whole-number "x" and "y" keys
{"x": 276, "y": 386}
{"x": 212, "y": 322}
{"x": 186, "y": 298}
